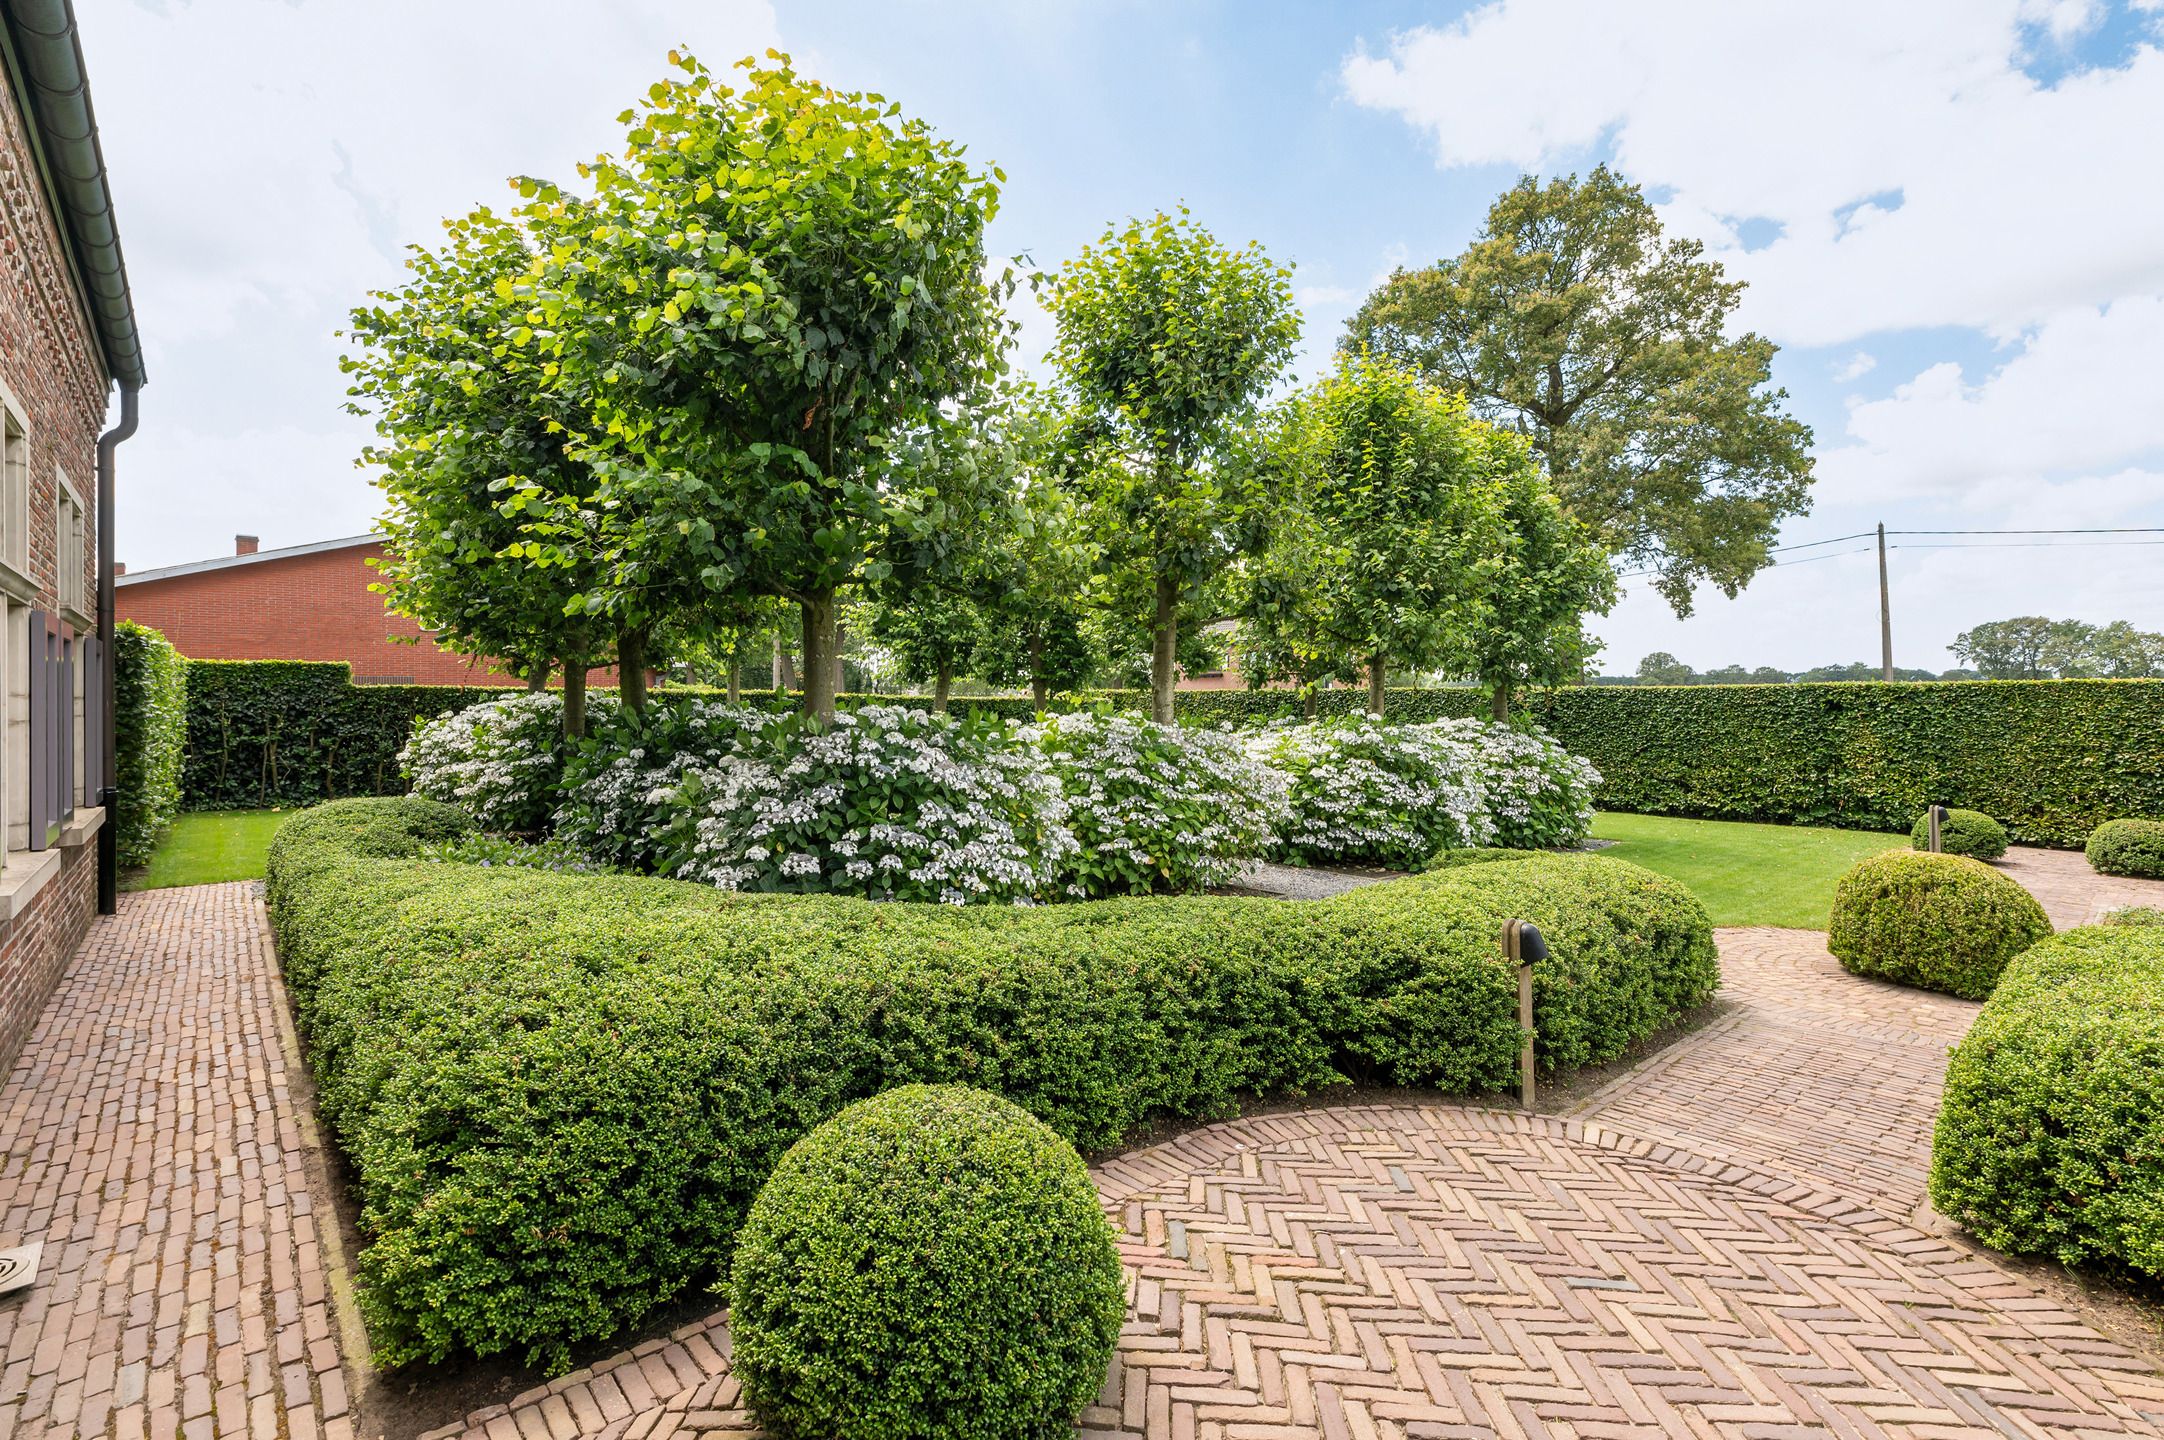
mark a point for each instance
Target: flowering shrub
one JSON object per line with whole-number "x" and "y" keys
{"x": 1538, "y": 794}
{"x": 617, "y": 786}
{"x": 1157, "y": 807}
{"x": 499, "y": 761}
{"x": 1360, "y": 790}
{"x": 886, "y": 802}
{"x": 501, "y": 851}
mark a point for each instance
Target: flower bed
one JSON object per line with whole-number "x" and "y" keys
{"x": 559, "y": 1092}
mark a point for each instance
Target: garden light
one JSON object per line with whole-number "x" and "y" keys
{"x": 1524, "y": 947}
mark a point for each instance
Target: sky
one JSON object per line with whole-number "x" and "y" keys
{"x": 1946, "y": 212}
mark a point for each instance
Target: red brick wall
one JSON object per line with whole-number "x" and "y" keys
{"x": 303, "y": 607}
{"x": 51, "y": 365}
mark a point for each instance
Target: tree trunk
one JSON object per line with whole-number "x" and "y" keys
{"x": 537, "y": 679}
{"x": 942, "y": 686}
{"x": 1164, "y": 649}
{"x": 784, "y": 673}
{"x": 631, "y": 667}
{"x": 1377, "y": 673}
{"x": 575, "y": 698}
{"x": 841, "y": 644}
{"x": 1040, "y": 689}
{"x": 736, "y": 678}
{"x": 1310, "y": 701}
{"x": 819, "y": 654}
{"x": 1499, "y": 701}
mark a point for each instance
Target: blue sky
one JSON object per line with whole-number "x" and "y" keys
{"x": 1939, "y": 208}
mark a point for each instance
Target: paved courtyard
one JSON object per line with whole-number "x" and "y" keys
{"x": 1721, "y": 1242}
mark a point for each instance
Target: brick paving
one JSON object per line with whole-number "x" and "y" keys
{"x": 2070, "y": 892}
{"x": 153, "y": 1145}
{"x": 1719, "y": 1243}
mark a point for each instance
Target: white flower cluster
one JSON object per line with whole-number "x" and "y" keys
{"x": 617, "y": 791}
{"x": 1158, "y": 807}
{"x": 887, "y": 802}
{"x": 500, "y": 761}
{"x": 1395, "y": 794}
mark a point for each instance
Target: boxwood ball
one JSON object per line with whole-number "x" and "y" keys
{"x": 930, "y": 1264}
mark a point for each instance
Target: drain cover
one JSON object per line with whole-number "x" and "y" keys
{"x": 18, "y": 1267}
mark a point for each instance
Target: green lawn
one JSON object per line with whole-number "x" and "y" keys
{"x": 205, "y": 848}
{"x": 1745, "y": 874}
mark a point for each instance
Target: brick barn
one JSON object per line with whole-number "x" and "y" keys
{"x": 67, "y": 338}
{"x": 302, "y": 602}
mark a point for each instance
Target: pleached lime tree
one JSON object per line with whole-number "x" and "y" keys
{"x": 1385, "y": 529}
{"x": 462, "y": 419}
{"x": 1167, "y": 342}
{"x": 769, "y": 290}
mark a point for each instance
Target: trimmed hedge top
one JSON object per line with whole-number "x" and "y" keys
{"x": 930, "y": 1264}
{"x": 1944, "y": 922}
{"x": 2051, "y": 1137}
{"x": 560, "y": 1093}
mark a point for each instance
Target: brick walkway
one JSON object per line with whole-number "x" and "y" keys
{"x": 152, "y": 1144}
{"x": 1717, "y": 1244}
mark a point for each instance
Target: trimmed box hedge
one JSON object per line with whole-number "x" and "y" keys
{"x": 560, "y": 1093}
{"x": 1943, "y": 922}
{"x": 2050, "y": 1140}
{"x": 2128, "y": 847}
{"x": 1962, "y": 832}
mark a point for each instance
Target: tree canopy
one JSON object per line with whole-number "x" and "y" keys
{"x": 764, "y": 296}
{"x": 1572, "y": 317}
{"x": 1167, "y": 342}
{"x": 2031, "y": 647}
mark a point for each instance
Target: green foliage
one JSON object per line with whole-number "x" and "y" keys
{"x": 287, "y": 733}
{"x": 1572, "y": 316}
{"x": 1167, "y": 341}
{"x": 560, "y": 1093}
{"x": 2135, "y": 915}
{"x": 2051, "y": 1136}
{"x": 768, "y": 290}
{"x": 1962, "y": 832}
{"x": 2030, "y": 647}
{"x": 930, "y": 1264}
{"x": 150, "y": 736}
{"x": 1385, "y": 523}
{"x": 1944, "y": 922}
{"x": 1529, "y": 630}
{"x": 2128, "y": 847}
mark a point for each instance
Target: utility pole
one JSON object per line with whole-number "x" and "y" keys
{"x": 1885, "y": 611}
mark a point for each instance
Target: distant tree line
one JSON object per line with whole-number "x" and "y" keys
{"x": 2030, "y": 647}
{"x": 1662, "y": 668}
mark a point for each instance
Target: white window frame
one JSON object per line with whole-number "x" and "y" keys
{"x": 70, "y": 530}
{"x": 15, "y": 577}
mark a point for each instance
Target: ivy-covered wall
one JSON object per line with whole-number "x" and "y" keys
{"x": 2051, "y": 759}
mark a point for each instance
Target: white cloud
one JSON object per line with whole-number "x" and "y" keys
{"x": 2078, "y": 399}
{"x": 1918, "y": 175}
{"x": 269, "y": 162}
{"x": 1855, "y": 367}
{"x": 1310, "y": 297}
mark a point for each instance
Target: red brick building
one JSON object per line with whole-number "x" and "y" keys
{"x": 67, "y": 336}
{"x": 303, "y": 602}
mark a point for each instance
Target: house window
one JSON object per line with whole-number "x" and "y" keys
{"x": 14, "y": 489}
{"x": 69, "y": 586}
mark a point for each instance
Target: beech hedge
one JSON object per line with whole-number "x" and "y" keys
{"x": 150, "y": 709}
{"x": 2050, "y": 1140}
{"x": 560, "y": 1093}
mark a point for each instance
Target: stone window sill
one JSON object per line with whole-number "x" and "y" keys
{"x": 29, "y": 871}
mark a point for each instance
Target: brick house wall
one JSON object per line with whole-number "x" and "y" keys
{"x": 307, "y": 602}
{"x": 54, "y": 377}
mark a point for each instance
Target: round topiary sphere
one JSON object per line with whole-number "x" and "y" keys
{"x": 1944, "y": 922}
{"x": 2128, "y": 847}
{"x": 930, "y": 1264}
{"x": 1962, "y": 832}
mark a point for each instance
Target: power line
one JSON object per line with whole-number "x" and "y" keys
{"x": 2090, "y": 530}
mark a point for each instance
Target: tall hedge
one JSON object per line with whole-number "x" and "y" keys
{"x": 2050, "y": 759}
{"x": 150, "y": 732}
{"x": 561, "y": 1092}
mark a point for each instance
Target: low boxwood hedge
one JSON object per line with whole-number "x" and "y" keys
{"x": 2128, "y": 847}
{"x": 559, "y": 1093}
{"x": 1962, "y": 832}
{"x": 2051, "y": 1137}
{"x": 1944, "y": 922}
{"x": 930, "y": 1264}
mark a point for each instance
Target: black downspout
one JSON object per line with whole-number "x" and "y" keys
{"x": 109, "y": 762}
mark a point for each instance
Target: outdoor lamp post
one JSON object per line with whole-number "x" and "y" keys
{"x": 1934, "y": 818}
{"x": 1524, "y": 947}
